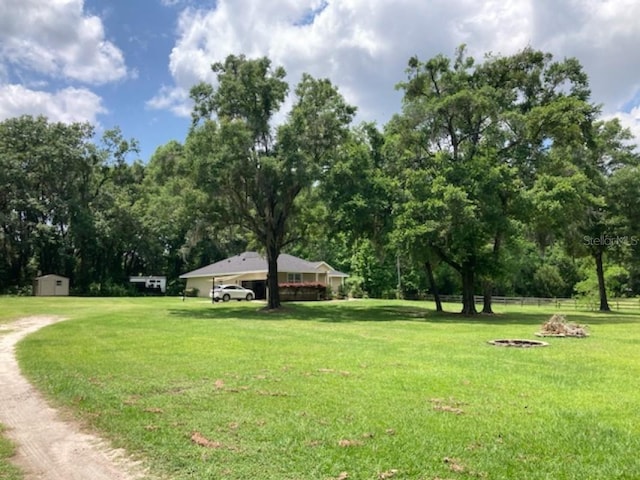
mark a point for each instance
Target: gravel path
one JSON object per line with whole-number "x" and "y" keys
{"x": 48, "y": 445}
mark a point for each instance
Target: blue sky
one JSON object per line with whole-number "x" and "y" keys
{"x": 145, "y": 31}
{"x": 131, "y": 63}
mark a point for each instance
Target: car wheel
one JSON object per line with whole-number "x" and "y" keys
{"x": 226, "y": 297}
{"x": 249, "y": 297}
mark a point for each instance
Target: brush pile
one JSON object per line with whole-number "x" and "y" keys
{"x": 557, "y": 326}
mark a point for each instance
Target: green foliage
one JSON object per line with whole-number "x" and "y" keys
{"x": 258, "y": 175}
{"x": 539, "y": 272}
{"x": 175, "y": 287}
{"x": 358, "y": 189}
{"x": 496, "y": 174}
{"x": 110, "y": 289}
{"x": 191, "y": 292}
{"x": 376, "y": 273}
{"x": 343, "y": 292}
{"x": 304, "y": 291}
{"x": 56, "y": 180}
{"x": 548, "y": 282}
{"x": 488, "y": 147}
{"x": 354, "y": 287}
{"x": 616, "y": 279}
{"x": 42, "y": 166}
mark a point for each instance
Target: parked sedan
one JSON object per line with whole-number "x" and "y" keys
{"x": 231, "y": 292}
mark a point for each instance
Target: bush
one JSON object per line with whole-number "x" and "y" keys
{"x": 24, "y": 291}
{"x": 191, "y": 292}
{"x": 355, "y": 287}
{"x": 175, "y": 287}
{"x": 109, "y": 289}
{"x": 303, "y": 291}
{"x": 342, "y": 292}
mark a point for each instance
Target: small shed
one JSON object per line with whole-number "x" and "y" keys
{"x": 51, "y": 285}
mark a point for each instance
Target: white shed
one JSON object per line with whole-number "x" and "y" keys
{"x": 51, "y": 286}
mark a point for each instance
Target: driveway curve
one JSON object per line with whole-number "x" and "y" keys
{"x": 49, "y": 446}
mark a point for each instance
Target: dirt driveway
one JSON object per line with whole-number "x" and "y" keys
{"x": 49, "y": 446}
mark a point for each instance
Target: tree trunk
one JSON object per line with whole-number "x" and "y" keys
{"x": 468, "y": 300}
{"x": 487, "y": 296}
{"x": 488, "y": 282}
{"x": 604, "y": 303}
{"x": 433, "y": 286}
{"x": 273, "y": 291}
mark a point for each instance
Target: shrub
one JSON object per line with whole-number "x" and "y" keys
{"x": 355, "y": 287}
{"x": 191, "y": 292}
{"x": 110, "y": 289}
{"x": 175, "y": 287}
{"x": 303, "y": 291}
{"x": 20, "y": 291}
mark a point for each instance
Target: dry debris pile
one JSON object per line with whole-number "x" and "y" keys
{"x": 557, "y": 326}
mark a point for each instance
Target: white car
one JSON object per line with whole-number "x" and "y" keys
{"x": 231, "y": 292}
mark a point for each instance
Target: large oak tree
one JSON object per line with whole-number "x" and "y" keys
{"x": 475, "y": 137}
{"x": 255, "y": 170}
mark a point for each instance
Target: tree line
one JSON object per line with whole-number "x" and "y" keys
{"x": 495, "y": 178}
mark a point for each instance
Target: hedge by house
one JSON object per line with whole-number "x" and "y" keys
{"x": 303, "y": 291}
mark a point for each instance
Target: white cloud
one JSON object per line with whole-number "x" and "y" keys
{"x": 58, "y": 39}
{"x": 603, "y": 35}
{"x": 172, "y": 3}
{"x": 363, "y": 45}
{"x": 67, "y": 105}
{"x": 630, "y": 120}
{"x": 173, "y": 99}
{"x": 352, "y": 42}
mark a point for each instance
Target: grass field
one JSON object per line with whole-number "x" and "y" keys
{"x": 7, "y": 471}
{"x": 358, "y": 390}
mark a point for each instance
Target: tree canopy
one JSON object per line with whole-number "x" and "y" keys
{"x": 260, "y": 171}
{"x": 497, "y": 176}
{"x": 477, "y": 138}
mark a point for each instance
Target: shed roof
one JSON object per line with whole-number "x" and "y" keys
{"x": 51, "y": 275}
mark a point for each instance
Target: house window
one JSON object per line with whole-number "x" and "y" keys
{"x": 294, "y": 278}
{"x": 58, "y": 283}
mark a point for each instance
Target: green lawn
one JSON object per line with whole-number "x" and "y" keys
{"x": 376, "y": 389}
{"x": 7, "y": 471}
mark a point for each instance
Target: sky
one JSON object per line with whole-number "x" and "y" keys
{"x": 131, "y": 63}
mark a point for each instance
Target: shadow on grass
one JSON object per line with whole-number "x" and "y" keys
{"x": 377, "y": 311}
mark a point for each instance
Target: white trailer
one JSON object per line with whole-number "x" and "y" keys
{"x": 151, "y": 282}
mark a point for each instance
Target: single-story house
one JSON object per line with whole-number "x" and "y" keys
{"x": 249, "y": 270}
{"x": 51, "y": 285}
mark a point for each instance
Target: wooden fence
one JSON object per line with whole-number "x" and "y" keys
{"x": 566, "y": 303}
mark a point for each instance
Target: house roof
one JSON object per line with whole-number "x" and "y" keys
{"x": 253, "y": 262}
